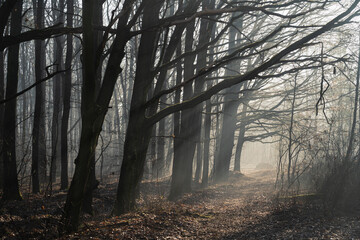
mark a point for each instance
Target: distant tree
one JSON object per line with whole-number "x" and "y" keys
{"x": 58, "y": 45}
{"x": 66, "y": 97}
{"x": 230, "y": 108}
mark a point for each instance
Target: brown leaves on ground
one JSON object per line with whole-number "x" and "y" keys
{"x": 243, "y": 208}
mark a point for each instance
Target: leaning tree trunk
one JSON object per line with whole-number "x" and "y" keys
{"x": 136, "y": 146}
{"x": 10, "y": 180}
{"x": 138, "y": 132}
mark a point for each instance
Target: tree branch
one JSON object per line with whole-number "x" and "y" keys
{"x": 32, "y": 86}
{"x": 252, "y": 74}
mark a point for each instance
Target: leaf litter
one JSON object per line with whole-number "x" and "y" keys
{"x": 245, "y": 207}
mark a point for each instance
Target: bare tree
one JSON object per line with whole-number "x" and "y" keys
{"x": 10, "y": 182}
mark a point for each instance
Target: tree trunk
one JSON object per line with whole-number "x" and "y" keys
{"x": 207, "y": 128}
{"x": 206, "y": 29}
{"x": 25, "y": 103}
{"x": 2, "y": 85}
{"x": 93, "y": 182}
{"x": 39, "y": 150}
{"x": 160, "y": 159}
{"x": 191, "y": 119}
{"x": 10, "y": 181}
{"x": 184, "y": 146}
{"x": 289, "y": 175}
{"x": 152, "y": 170}
{"x": 240, "y": 142}
{"x": 66, "y": 99}
{"x": 137, "y": 140}
{"x": 138, "y": 133}
{"x": 227, "y": 135}
{"x": 199, "y": 162}
{"x": 93, "y": 110}
{"x": 223, "y": 157}
{"x": 57, "y": 89}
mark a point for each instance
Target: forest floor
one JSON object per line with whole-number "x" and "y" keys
{"x": 243, "y": 208}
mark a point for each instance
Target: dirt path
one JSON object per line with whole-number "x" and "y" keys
{"x": 244, "y": 208}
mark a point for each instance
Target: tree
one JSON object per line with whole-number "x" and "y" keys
{"x": 93, "y": 110}
{"x": 222, "y": 160}
{"x": 188, "y": 138}
{"x": 59, "y": 19}
{"x": 66, "y": 98}
{"x": 10, "y": 182}
{"x": 2, "y": 85}
{"x": 39, "y": 143}
{"x": 153, "y": 63}
{"x": 138, "y": 133}
{"x": 136, "y": 140}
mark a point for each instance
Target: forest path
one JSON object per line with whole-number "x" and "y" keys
{"x": 223, "y": 211}
{"x": 243, "y": 208}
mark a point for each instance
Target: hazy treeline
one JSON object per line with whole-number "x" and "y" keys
{"x": 155, "y": 88}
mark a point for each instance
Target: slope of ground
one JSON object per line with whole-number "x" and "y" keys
{"x": 243, "y": 208}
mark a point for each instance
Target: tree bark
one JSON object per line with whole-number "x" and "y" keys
{"x": 160, "y": 158}
{"x": 10, "y": 181}
{"x": 138, "y": 133}
{"x": 240, "y": 142}
{"x": 184, "y": 145}
{"x": 57, "y": 89}
{"x": 39, "y": 150}
{"x": 293, "y": 101}
{"x": 93, "y": 182}
{"x": 223, "y": 158}
{"x": 2, "y": 95}
{"x": 66, "y": 99}
{"x": 207, "y": 128}
{"x": 93, "y": 110}
{"x": 206, "y": 30}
